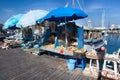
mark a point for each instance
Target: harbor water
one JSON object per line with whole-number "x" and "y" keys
{"x": 113, "y": 43}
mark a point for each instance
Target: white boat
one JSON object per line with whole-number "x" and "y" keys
{"x": 93, "y": 38}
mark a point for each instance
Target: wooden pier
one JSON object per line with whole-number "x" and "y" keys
{"x": 16, "y": 64}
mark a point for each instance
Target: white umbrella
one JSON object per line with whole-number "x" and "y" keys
{"x": 31, "y": 17}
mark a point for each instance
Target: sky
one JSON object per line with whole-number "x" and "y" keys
{"x": 94, "y": 9}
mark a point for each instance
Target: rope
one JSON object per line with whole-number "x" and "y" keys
{"x": 79, "y": 5}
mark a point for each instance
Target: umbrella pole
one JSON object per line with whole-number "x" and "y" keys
{"x": 66, "y": 39}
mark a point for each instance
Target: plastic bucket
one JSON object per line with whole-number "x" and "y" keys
{"x": 24, "y": 45}
{"x": 71, "y": 64}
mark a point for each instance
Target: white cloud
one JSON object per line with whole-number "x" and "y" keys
{"x": 94, "y": 7}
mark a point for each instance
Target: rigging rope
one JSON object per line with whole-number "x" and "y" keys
{"x": 79, "y": 5}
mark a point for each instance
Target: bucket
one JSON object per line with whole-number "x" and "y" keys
{"x": 71, "y": 64}
{"x": 24, "y": 45}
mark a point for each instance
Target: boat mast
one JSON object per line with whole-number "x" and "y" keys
{"x": 89, "y": 23}
{"x": 103, "y": 18}
{"x": 73, "y": 4}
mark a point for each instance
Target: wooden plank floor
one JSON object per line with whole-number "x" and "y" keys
{"x": 16, "y": 64}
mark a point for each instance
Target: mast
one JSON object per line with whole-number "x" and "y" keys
{"x": 73, "y": 4}
{"x": 103, "y": 18}
{"x": 89, "y": 23}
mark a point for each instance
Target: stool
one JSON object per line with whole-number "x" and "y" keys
{"x": 97, "y": 64}
{"x": 92, "y": 70}
{"x": 107, "y": 67}
{"x": 118, "y": 53}
{"x": 114, "y": 65}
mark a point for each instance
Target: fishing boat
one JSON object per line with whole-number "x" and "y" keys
{"x": 93, "y": 38}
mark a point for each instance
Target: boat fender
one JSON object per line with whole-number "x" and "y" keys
{"x": 102, "y": 48}
{"x": 90, "y": 35}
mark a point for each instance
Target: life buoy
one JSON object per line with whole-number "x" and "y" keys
{"x": 99, "y": 35}
{"x": 90, "y": 35}
{"x": 95, "y": 35}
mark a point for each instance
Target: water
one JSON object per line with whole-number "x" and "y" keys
{"x": 113, "y": 43}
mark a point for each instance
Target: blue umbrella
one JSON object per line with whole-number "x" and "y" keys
{"x": 65, "y": 14}
{"x": 12, "y": 21}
